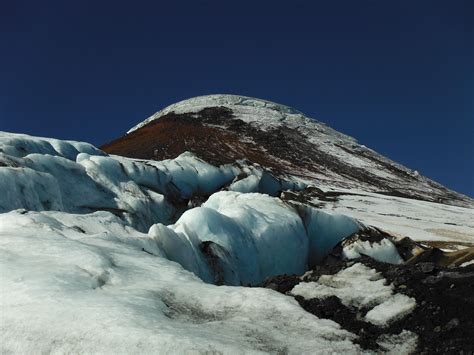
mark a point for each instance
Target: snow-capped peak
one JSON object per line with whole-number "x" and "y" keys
{"x": 264, "y": 114}
{"x": 254, "y": 107}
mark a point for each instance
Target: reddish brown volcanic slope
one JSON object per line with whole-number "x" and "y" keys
{"x": 211, "y": 134}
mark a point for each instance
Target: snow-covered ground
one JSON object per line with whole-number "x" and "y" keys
{"x": 419, "y": 220}
{"x": 90, "y": 261}
{"x": 82, "y": 284}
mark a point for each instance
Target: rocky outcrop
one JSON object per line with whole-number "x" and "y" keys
{"x": 443, "y": 319}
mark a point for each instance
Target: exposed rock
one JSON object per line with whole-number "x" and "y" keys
{"x": 443, "y": 318}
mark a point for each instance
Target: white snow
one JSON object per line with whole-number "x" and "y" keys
{"x": 419, "y": 220}
{"x": 248, "y": 184}
{"x": 20, "y": 145}
{"x": 396, "y": 307}
{"x": 256, "y": 236}
{"x": 90, "y": 263}
{"x": 357, "y": 285}
{"x": 95, "y": 291}
{"x": 361, "y": 287}
{"x": 272, "y": 234}
{"x": 259, "y": 236}
{"x": 70, "y": 179}
{"x": 467, "y": 263}
{"x": 262, "y": 181}
{"x": 383, "y": 251}
{"x": 249, "y": 108}
{"x": 398, "y": 344}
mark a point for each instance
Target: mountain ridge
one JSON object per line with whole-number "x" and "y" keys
{"x": 224, "y": 128}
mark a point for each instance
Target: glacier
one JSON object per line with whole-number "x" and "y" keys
{"x": 81, "y": 283}
{"x": 102, "y": 253}
{"x": 257, "y": 235}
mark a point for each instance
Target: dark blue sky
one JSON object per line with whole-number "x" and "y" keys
{"x": 396, "y": 75}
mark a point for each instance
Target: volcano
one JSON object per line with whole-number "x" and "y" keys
{"x": 221, "y": 129}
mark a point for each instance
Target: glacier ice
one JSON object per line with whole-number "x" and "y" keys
{"x": 325, "y": 229}
{"x": 254, "y": 235}
{"x": 76, "y": 283}
{"x": 383, "y": 251}
{"x": 106, "y": 252}
{"x": 20, "y": 145}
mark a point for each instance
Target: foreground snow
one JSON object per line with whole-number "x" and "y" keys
{"x": 103, "y": 254}
{"x": 83, "y": 284}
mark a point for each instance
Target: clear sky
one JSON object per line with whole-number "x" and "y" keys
{"x": 396, "y": 75}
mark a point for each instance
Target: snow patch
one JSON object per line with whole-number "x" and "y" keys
{"x": 383, "y": 251}
{"x": 356, "y": 286}
{"x": 394, "y": 308}
{"x": 467, "y": 263}
{"x": 398, "y": 344}
{"x": 361, "y": 287}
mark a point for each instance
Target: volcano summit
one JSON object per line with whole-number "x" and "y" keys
{"x": 224, "y": 128}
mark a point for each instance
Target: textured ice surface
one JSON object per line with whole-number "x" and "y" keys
{"x": 258, "y": 236}
{"x": 20, "y": 145}
{"x": 273, "y": 232}
{"x": 395, "y": 307}
{"x": 255, "y": 236}
{"x": 397, "y": 344}
{"x": 383, "y": 251}
{"x": 325, "y": 230}
{"x": 82, "y": 283}
{"x": 84, "y": 272}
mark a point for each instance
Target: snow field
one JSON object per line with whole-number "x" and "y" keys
{"x": 419, "y": 220}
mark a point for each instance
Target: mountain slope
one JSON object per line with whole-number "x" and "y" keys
{"x": 224, "y": 128}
